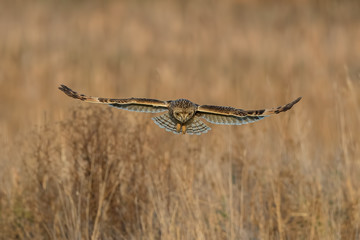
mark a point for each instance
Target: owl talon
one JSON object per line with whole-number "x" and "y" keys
{"x": 178, "y": 127}
{"x": 183, "y": 129}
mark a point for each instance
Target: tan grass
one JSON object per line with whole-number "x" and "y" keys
{"x": 74, "y": 171}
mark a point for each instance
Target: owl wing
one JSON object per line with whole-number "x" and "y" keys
{"x": 233, "y": 116}
{"x": 130, "y": 104}
{"x": 197, "y": 127}
{"x": 165, "y": 121}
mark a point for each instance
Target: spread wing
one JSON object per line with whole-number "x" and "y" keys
{"x": 233, "y": 116}
{"x": 130, "y": 104}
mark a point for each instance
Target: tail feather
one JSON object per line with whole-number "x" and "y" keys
{"x": 196, "y": 127}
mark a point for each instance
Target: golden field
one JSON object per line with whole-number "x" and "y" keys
{"x": 73, "y": 170}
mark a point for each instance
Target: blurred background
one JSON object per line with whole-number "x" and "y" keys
{"x": 72, "y": 170}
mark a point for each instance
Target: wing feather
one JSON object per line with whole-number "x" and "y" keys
{"x": 197, "y": 127}
{"x": 165, "y": 121}
{"x": 234, "y": 116}
{"x": 130, "y": 104}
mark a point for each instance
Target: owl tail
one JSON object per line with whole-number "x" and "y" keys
{"x": 165, "y": 121}
{"x": 195, "y": 127}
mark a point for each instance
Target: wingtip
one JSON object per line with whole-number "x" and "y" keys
{"x": 296, "y": 101}
{"x": 63, "y": 88}
{"x": 69, "y": 92}
{"x": 290, "y": 105}
{"x": 287, "y": 106}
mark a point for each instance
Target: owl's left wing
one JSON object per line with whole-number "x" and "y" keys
{"x": 130, "y": 104}
{"x": 233, "y": 116}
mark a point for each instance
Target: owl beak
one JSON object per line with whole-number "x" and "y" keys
{"x": 182, "y": 117}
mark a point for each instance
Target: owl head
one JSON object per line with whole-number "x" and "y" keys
{"x": 183, "y": 110}
{"x": 183, "y": 115}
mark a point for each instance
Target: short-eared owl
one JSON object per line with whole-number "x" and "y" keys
{"x": 183, "y": 115}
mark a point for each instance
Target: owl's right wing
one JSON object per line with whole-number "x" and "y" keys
{"x": 233, "y": 116}
{"x": 130, "y": 104}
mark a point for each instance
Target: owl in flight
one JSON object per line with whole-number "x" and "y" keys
{"x": 182, "y": 115}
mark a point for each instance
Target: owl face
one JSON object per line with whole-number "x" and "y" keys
{"x": 182, "y": 110}
{"x": 183, "y": 115}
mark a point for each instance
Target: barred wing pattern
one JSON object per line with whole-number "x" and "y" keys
{"x": 230, "y": 120}
{"x": 139, "y": 108}
{"x": 233, "y": 116}
{"x": 196, "y": 126}
{"x": 165, "y": 121}
{"x": 130, "y": 104}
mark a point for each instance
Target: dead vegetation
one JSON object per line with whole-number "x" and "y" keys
{"x": 74, "y": 171}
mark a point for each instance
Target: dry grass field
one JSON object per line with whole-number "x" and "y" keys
{"x": 73, "y": 170}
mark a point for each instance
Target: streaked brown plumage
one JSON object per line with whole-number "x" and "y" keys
{"x": 183, "y": 115}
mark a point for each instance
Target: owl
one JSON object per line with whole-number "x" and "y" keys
{"x": 182, "y": 115}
